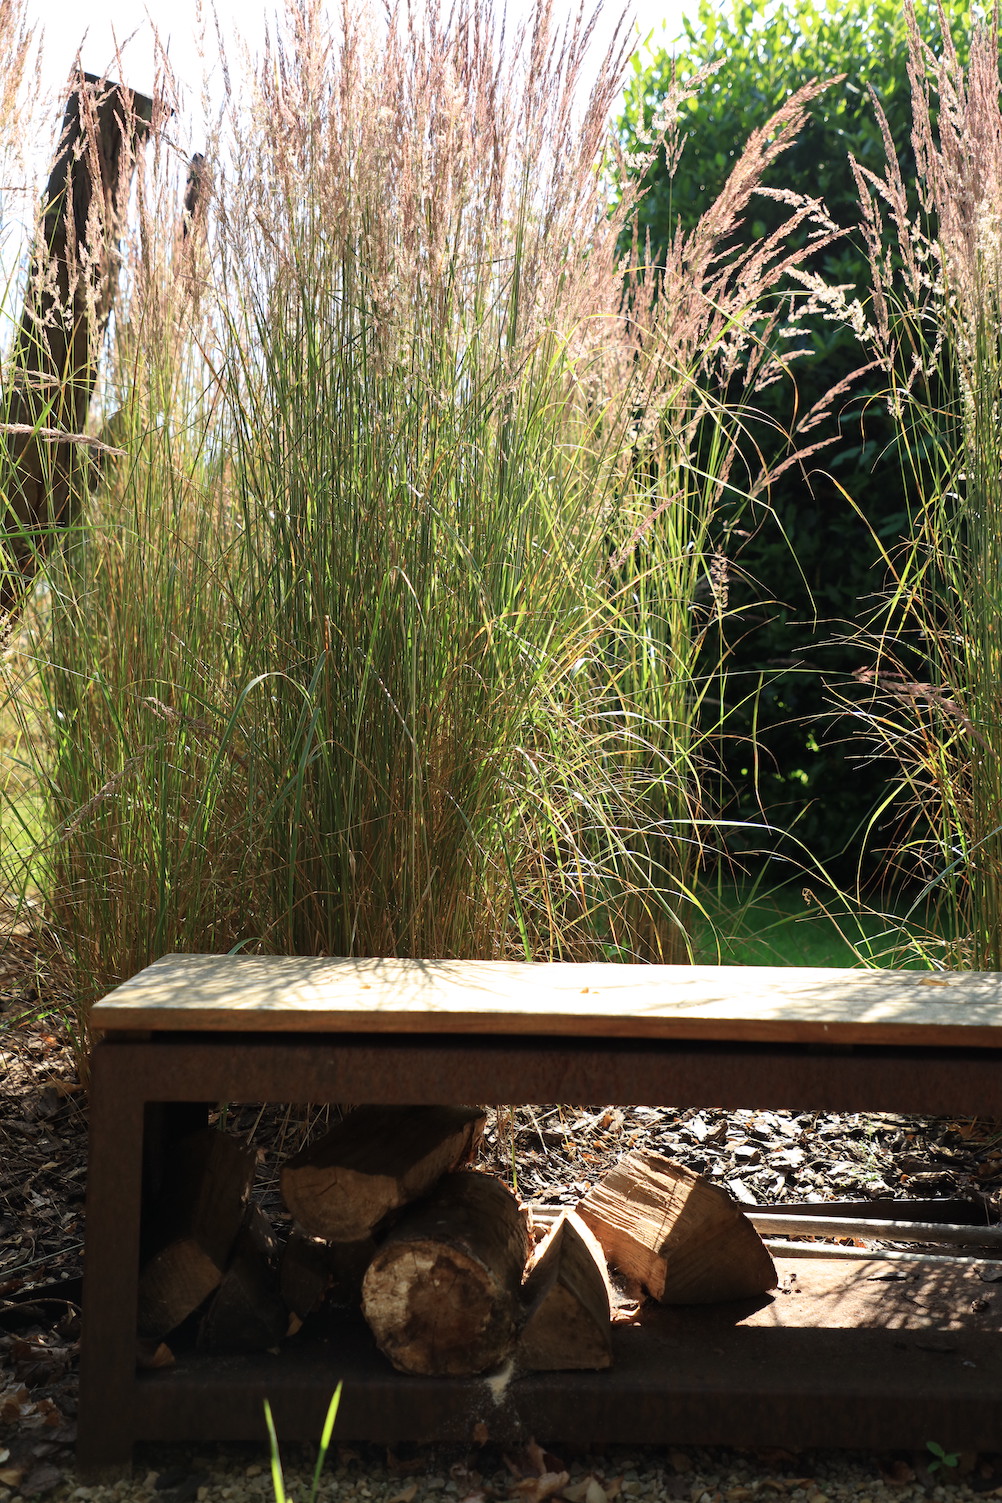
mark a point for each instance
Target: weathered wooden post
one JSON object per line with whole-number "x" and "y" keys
{"x": 44, "y": 455}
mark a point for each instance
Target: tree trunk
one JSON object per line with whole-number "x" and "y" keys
{"x": 44, "y": 457}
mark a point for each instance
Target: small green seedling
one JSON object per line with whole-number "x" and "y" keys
{"x": 941, "y": 1458}
{"x": 277, "y": 1475}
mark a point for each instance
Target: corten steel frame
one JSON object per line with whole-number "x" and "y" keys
{"x": 764, "y": 1386}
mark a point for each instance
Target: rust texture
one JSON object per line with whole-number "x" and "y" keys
{"x": 751, "y": 1384}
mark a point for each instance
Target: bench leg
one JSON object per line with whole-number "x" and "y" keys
{"x": 105, "y": 1422}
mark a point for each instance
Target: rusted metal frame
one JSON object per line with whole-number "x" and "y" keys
{"x": 794, "y": 1388}
{"x": 417, "y": 1070}
{"x": 653, "y": 1393}
{"x": 106, "y": 1415}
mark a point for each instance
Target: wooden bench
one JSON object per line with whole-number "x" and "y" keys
{"x": 195, "y": 1029}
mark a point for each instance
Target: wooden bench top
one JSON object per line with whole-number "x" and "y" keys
{"x": 739, "y": 1004}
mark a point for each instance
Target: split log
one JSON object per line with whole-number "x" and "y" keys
{"x": 312, "y": 1271}
{"x": 71, "y": 286}
{"x": 568, "y": 1326}
{"x": 247, "y": 1313}
{"x": 441, "y": 1294}
{"x": 376, "y": 1160}
{"x": 684, "y": 1240}
{"x": 304, "y": 1273}
{"x": 198, "y": 1214}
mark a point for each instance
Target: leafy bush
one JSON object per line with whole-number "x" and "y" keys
{"x": 814, "y": 561}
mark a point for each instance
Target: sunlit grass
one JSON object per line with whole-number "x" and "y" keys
{"x": 754, "y": 923}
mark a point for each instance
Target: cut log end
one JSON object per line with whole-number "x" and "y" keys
{"x": 568, "y": 1323}
{"x": 441, "y": 1294}
{"x": 682, "y": 1239}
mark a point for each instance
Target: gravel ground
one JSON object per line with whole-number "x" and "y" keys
{"x": 428, "y": 1476}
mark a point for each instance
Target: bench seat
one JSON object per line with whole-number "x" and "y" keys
{"x": 746, "y": 1004}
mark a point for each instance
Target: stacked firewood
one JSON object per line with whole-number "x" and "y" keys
{"x": 449, "y": 1270}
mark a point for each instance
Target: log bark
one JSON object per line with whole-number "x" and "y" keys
{"x": 45, "y": 462}
{"x": 568, "y": 1322}
{"x": 247, "y": 1313}
{"x": 682, "y": 1239}
{"x": 195, "y": 1223}
{"x": 441, "y": 1294}
{"x": 376, "y": 1160}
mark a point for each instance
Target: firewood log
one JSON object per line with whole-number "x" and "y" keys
{"x": 682, "y": 1239}
{"x": 376, "y": 1160}
{"x": 199, "y": 1211}
{"x": 312, "y": 1271}
{"x": 441, "y": 1294}
{"x": 568, "y": 1322}
{"x": 247, "y": 1313}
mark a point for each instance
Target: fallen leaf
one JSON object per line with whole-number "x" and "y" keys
{"x": 11, "y": 1476}
{"x": 676, "y": 1487}
{"x": 537, "y": 1457}
{"x": 61, "y": 1087}
{"x": 588, "y": 1490}
{"x": 15, "y": 1405}
{"x": 535, "y": 1489}
{"x": 41, "y": 1479}
{"x": 404, "y": 1466}
{"x": 897, "y": 1474}
{"x": 151, "y": 1355}
{"x": 405, "y": 1495}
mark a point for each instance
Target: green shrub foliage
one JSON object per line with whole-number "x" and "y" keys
{"x": 811, "y": 561}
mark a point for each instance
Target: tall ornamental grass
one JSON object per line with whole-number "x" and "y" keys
{"x": 937, "y": 327}
{"x": 389, "y": 635}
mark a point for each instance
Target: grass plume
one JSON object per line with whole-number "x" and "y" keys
{"x": 937, "y": 312}
{"x": 387, "y": 636}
